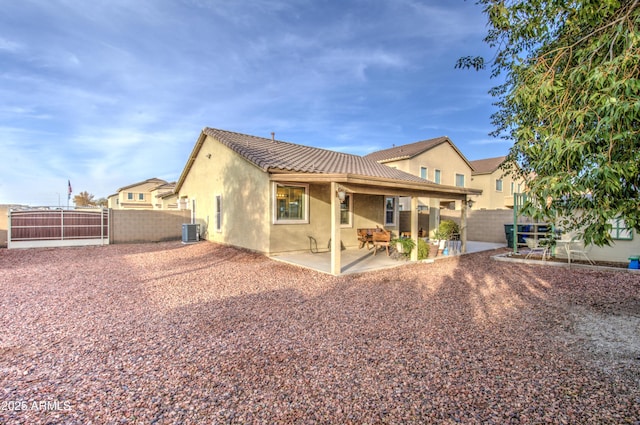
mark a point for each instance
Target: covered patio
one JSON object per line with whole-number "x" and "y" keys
{"x": 340, "y": 184}
{"x": 363, "y": 260}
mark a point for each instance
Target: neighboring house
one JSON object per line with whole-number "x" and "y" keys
{"x": 497, "y": 188}
{"x": 437, "y": 160}
{"x": 138, "y": 196}
{"x": 164, "y": 197}
{"x": 272, "y": 196}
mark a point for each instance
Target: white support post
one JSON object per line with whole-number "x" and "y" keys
{"x": 414, "y": 227}
{"x": 463, "y": 226}
{"x": 335, "y": 231}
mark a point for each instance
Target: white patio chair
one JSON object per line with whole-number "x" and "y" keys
{"x": 536, "y": 247}
{"x": 576, "y": 247}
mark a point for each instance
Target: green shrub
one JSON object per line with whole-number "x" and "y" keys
{"x": 448, "y": 228}
{"x": 423, "y": 249}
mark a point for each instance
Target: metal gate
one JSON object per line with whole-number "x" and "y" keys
{"x": 53, "y": 227}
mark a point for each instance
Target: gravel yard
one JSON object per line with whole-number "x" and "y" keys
{"x": 170, "y": 333}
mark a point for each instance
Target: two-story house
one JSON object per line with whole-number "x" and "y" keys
{"x": 497, "y": 187}
{"x": 140, "y": 196}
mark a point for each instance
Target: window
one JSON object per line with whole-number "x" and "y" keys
{"x": 436, "y": 176}
{"x": 218, "y": 213}
{"x": 423, "y": 172}
{"x": 390, "y": 210}
{"x": 498, "y": 185}
{"x": 346, "y": 211}
{"x": 130, "y": 196}
{"x": 511, "y": 190}
{"x": 140, "y": 196}
{"x": 460, "y": 180}
{"x": 290, "y": 203}
{"x": 619, "y": 230}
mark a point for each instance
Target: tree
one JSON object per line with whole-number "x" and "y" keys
{"x": 571, "y": 105}
{"x": 84, "y": 199}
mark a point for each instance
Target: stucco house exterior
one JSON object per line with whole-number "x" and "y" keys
{"x": 140, "y": 196}
{"x": 497, "y": 188}
{"x": 271, "y": 196}
{"x": 438, "y": 160}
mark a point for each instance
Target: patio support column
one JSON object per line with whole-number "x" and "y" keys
{"x": 414, "y": 227}
{"x": 335, "y": 231}
{"x": 463, "y": 226}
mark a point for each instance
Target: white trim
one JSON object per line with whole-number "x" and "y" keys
{"x": 348, "y": 196}
{"x": 52, "y": 243}
{"x": 396, "y": 201}
{"x": 274, "y": 200}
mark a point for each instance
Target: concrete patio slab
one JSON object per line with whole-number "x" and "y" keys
{"x": 363, "y": 260}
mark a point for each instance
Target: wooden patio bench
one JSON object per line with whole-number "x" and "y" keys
{"x": 374, "y": 238}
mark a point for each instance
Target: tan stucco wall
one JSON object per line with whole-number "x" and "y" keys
{"x": 492, "y": 199}
{"x": 245, "y": 197}
{"x": 442, "y": 157}
{"x": 368, "y": 211}
{"x": 4, "y": 220}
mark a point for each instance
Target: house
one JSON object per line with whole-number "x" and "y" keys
{"x": 163, "y": 197}
{"x": 438, "y": 160}
{"x": 273, "y": 196}
{"x": 139, "y": 196}
{"x": 497, "y": 188}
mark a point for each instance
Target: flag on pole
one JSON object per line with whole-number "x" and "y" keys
{"x": 70, "y": 190}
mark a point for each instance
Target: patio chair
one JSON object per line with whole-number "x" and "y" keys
{"x": 576, "y": 247}
{"x": 536, "y": 246}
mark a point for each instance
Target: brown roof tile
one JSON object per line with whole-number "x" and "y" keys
{"x": 275, "y": 155}
{"x": 408, "y": 151}
{"x": 487, "y": 165}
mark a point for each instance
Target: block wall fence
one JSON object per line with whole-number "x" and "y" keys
{"x": 132, "y": 226}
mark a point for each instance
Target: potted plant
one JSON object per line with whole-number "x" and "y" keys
{"x": 404, "y": 245}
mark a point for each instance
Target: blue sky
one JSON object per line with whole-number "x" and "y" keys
{"x": 109, "y": 93}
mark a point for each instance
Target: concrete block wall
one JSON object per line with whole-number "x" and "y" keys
{"x": 484, "y": 225}
{"x": 131, "y": 226}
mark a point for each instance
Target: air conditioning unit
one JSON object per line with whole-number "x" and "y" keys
{"x": 190, "y": 233}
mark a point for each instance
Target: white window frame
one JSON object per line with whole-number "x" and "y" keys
{"x": 501, "y": 185}
{"x": 424, "y": 175}
{"x": 274, "y": 201}
{"x": 349, "y": 199}
{"x": 437, "y": 176}
{"x": 140, "y": 196}
{"x": 129, "y": 196}
{"x": 395, "y": 211}
{"x": 218, "y": 213}
{"x": 455, "y": 179}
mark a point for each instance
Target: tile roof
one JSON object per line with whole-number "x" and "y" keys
{"x": 397, "y": 153}
{"x": 151, "y": 180}
{"x": 487, "y": 165}
{"x": 275, "y": 155}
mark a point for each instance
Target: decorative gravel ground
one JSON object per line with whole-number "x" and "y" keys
{"x": 189, "y": 334}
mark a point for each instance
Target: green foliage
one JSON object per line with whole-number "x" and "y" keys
{"x": 407, "y": 245}
{"x": 446, "y": 229}
{"x": 570, "y": 102}
{"x": 423, "y": 249}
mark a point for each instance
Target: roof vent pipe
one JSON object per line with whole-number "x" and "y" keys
{"x": 273, "y": 136}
